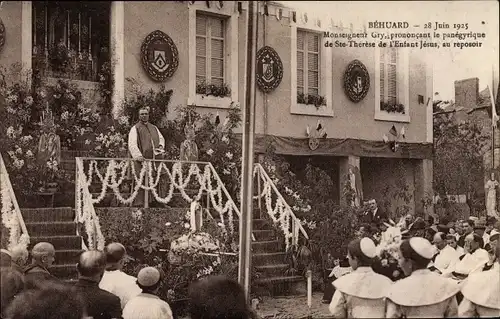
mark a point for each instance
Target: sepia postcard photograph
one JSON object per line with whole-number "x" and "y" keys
{"x": 249, "y": 159}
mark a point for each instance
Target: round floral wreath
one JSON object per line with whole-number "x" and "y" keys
{"x": 2, "y": 34}
{"x": 273, "y": 55}
{"x": 150, "y": 39}
{"x": 356, "y": 67}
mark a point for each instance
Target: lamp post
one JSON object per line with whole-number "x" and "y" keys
{"x": 245, "y": 257}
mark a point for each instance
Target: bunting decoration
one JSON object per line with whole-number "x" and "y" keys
{"x": 294, "y": 16}
{"x": 393, "y": 131}
{"x": 279, "y": 14}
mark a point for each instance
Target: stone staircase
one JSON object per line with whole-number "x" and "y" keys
{"x": 269, "y": 260}
{"x": 56, "y": 226}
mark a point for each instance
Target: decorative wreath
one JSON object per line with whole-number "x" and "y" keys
{"x": 2, "y": 34}
{"x": 267, "y": 55}
{"x": 356, "y": 70}
{"x": 153, "y": 38}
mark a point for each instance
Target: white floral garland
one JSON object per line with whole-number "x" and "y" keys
{"x": 85, "y": 212}
{"x": 281, "y": 212}
{"x": 176, "y": 178}
{"x": 9, "y": 217}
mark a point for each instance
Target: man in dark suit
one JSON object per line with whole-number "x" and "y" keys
{"x": 100, "y": 304}
{"x": 37, "y": 274}
{"x": 375, "y": 215}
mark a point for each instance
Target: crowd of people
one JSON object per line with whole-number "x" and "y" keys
{"x": 103, "y": 290}
{"x": 444, "y": 269}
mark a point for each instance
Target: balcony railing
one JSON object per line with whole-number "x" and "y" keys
{"x": 131, "y": 182}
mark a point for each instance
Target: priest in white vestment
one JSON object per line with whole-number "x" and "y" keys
{"x": 446, "y": 257}
{"x": 474, "y": 259}
{"x": 114, "y": 279}
{"x": 482, "y": 293}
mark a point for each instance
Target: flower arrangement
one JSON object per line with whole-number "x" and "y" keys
{"x": 314, "y": 99}
{"x": 392, "y": 107}
{"x": 222, "y": 90}
{"x": 388, "y": 252}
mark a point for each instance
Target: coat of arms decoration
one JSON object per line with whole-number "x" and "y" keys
{"x": 315, "y": 135}
{"x": 269, "y": 69}
{"x": 159, "y": 56}
{"x": 2, "y": 34}
{"x": 356, "y": 81}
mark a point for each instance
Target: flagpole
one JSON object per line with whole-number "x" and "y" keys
{"x": 245, "y": 262}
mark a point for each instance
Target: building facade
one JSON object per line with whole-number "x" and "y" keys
{"x": 210, "y": 39}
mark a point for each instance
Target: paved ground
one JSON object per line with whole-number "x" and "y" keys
{"x": 293, "y": 307}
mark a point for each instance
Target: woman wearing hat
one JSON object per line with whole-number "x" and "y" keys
{"x": 423, "y": 294}
{"x": 361, "y": 293}
{"x": 481, "y": 293}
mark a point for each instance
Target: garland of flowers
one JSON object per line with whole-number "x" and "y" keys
{"x": 281, "y": 212}
{"x": 177, "y": 181}
{"x": 9, "y": 216}
{"x": 85, "y": 213}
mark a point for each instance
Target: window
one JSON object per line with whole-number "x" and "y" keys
{"x": 209, "y": 50}
{"x": 392, "y": 98}
{"x": 70, "y": 39}
{"x": 388, "y": 75}
{"x": 310, "y": 72}
{"x": 213, "y": 55}
{"x": 308, "y": 61}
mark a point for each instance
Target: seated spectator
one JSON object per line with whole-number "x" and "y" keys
{"x": 148, "y": 305}
{"x": 218, "y": 297}
{"x": 474, "y": 259}
{"x": 482, "y": 293}
{"x": 19, "y": 258}
{"x": 53, "y": 301}
{"x": 11, "y": 284}
{"x": 99, "y": 303}
{"x": 43, "y": 256}
{"x": 452, "y": 242}
{"x": 5, "y": 258}
{"x": 114, "y": 279}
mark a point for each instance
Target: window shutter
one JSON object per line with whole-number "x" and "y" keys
{"x": 300, "y": 40}
{"x": 201, "y": 25}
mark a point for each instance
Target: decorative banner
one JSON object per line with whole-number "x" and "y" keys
{"x": 2, "y": 34}
{"x": 269, "y": 69}
{"x": 356, "y": 81}
{"x": 159, "y": 56}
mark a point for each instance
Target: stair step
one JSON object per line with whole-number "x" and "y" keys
{"x": 265, "y": 246}
{"x": 68, "y": 256}
{"x": 47, "y": 229}
{"x": 59, "y": 242}
{"x": 269, "y": 271}
{"x": 261, "y": 224}
{"x": 279, "y": 279}
{"x": 36, "y": 215}
{"x": 64, "y": 271}
{"x": 263, "y": 235}
{"x": 265, "y": 259}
